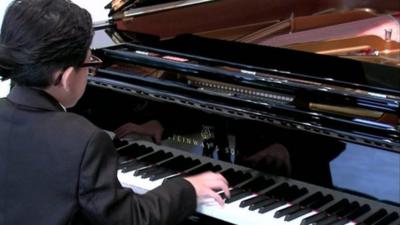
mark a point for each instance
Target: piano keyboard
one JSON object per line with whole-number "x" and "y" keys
{"x": 256, "y": 198}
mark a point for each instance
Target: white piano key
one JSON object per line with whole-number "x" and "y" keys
{"x": 233, "y": 213}
{"x": 138, "y": 184}
{"x": 351, "y": 223}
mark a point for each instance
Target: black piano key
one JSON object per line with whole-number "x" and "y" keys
{"x": 216, "y": 168}
{"x": 156, "y": 157}
{"x": 134, "y": 150}
{"x": 287, "y": 211}
{"x": 291, "y": 191}
{"x": 258, "y": 184}
{"x": 185, "y": 164}
{"x": 267, "y": 208}
{"x": 309, "y": 207}
{"x": 296, "y": 194}
{"x": 378, "y": 215}
{"x": 172, "y": 177}
{"x": 244, "y": 177}
{"x": 313, "y": 219}
{"x": 233, "y": 192}
{"x": 337, "y": 206}
{"x": 359, "y": 212}
{"x": 138, "y": 171}
{"x": 204, "y": 168}
{"x": 326, "y": 220}
{"x": 277, "y": 191}
{"x": 312, "y": 198}
{"x": 388, "y": 219}
{"x": 118, "y": 143}
{"x": 297, "y": 214}
{"x": 235, "y": 177}
{"x": 259, "y": 204}
{"x": 161, "y": 174}
{"x": 340, "y": 222}
{"x": 132, "y": 165}
{"x": 321, "y": 202}
{"x": 237, "y": 197}
{"x": 229, "y": 173}
{"x": 190, "y": 163}
{"x": 308, "y": 204}
{"x": 143, "y": 171}
{"x": 253, "y": 200}
{"x": 142, "y": 151}
{"x": 150, "y": 172}
{"x": 132, "y": 147}
{"x": 126, "y": 162}
{"x": 317, "y": 204}
{"x": 236, "y": 191}
{"x": 329, "y": 212}
{"x": 172, "y": 162}
{"x": 348, "y": 209}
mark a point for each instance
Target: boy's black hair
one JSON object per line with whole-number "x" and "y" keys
{"x": 39, "y": 37}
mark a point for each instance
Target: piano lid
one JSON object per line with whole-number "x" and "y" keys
{"x": 305, "y": 25}
{"x": 125, "y": 9}
{"x": 170, "y": 19}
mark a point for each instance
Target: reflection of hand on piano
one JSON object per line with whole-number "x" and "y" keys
{"x": 152, "y": 129}
{"x": 274, "y": 159}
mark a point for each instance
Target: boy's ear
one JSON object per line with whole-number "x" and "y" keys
{"x": 66, "y": 79}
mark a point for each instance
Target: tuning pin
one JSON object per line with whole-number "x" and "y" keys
{"x": 388, "y": 34}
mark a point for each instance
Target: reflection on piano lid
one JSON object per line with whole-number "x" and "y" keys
{"x": 371, "y": 26}
{"x": 121, "y": 9}
{"x": 256, "y": 198}
{"x": 374, "y": 39}
{"x": 345, "y": 107}
{"x": 301, "y": 23}
{"x": 267, "y": 23}
{"x": 167, "y": 20}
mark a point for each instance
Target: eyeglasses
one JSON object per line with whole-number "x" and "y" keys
{"x": 93, "y": 64}
{"x": 94, "y": 61}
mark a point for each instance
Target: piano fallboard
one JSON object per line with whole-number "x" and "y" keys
{"x": 339, "y": 108}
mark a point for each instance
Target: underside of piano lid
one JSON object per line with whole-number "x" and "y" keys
{"x": 235, "y": 65}
{"x": 360, "y": 30}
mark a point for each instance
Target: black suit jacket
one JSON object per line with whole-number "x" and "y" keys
{"x": 57, "y": 168}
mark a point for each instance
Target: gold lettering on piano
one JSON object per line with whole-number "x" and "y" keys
{"x": 184, "y": 140}
{"x": 193, "y": 139}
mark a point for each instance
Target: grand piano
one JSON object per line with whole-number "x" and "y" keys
{"x": 266, "y": 92}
